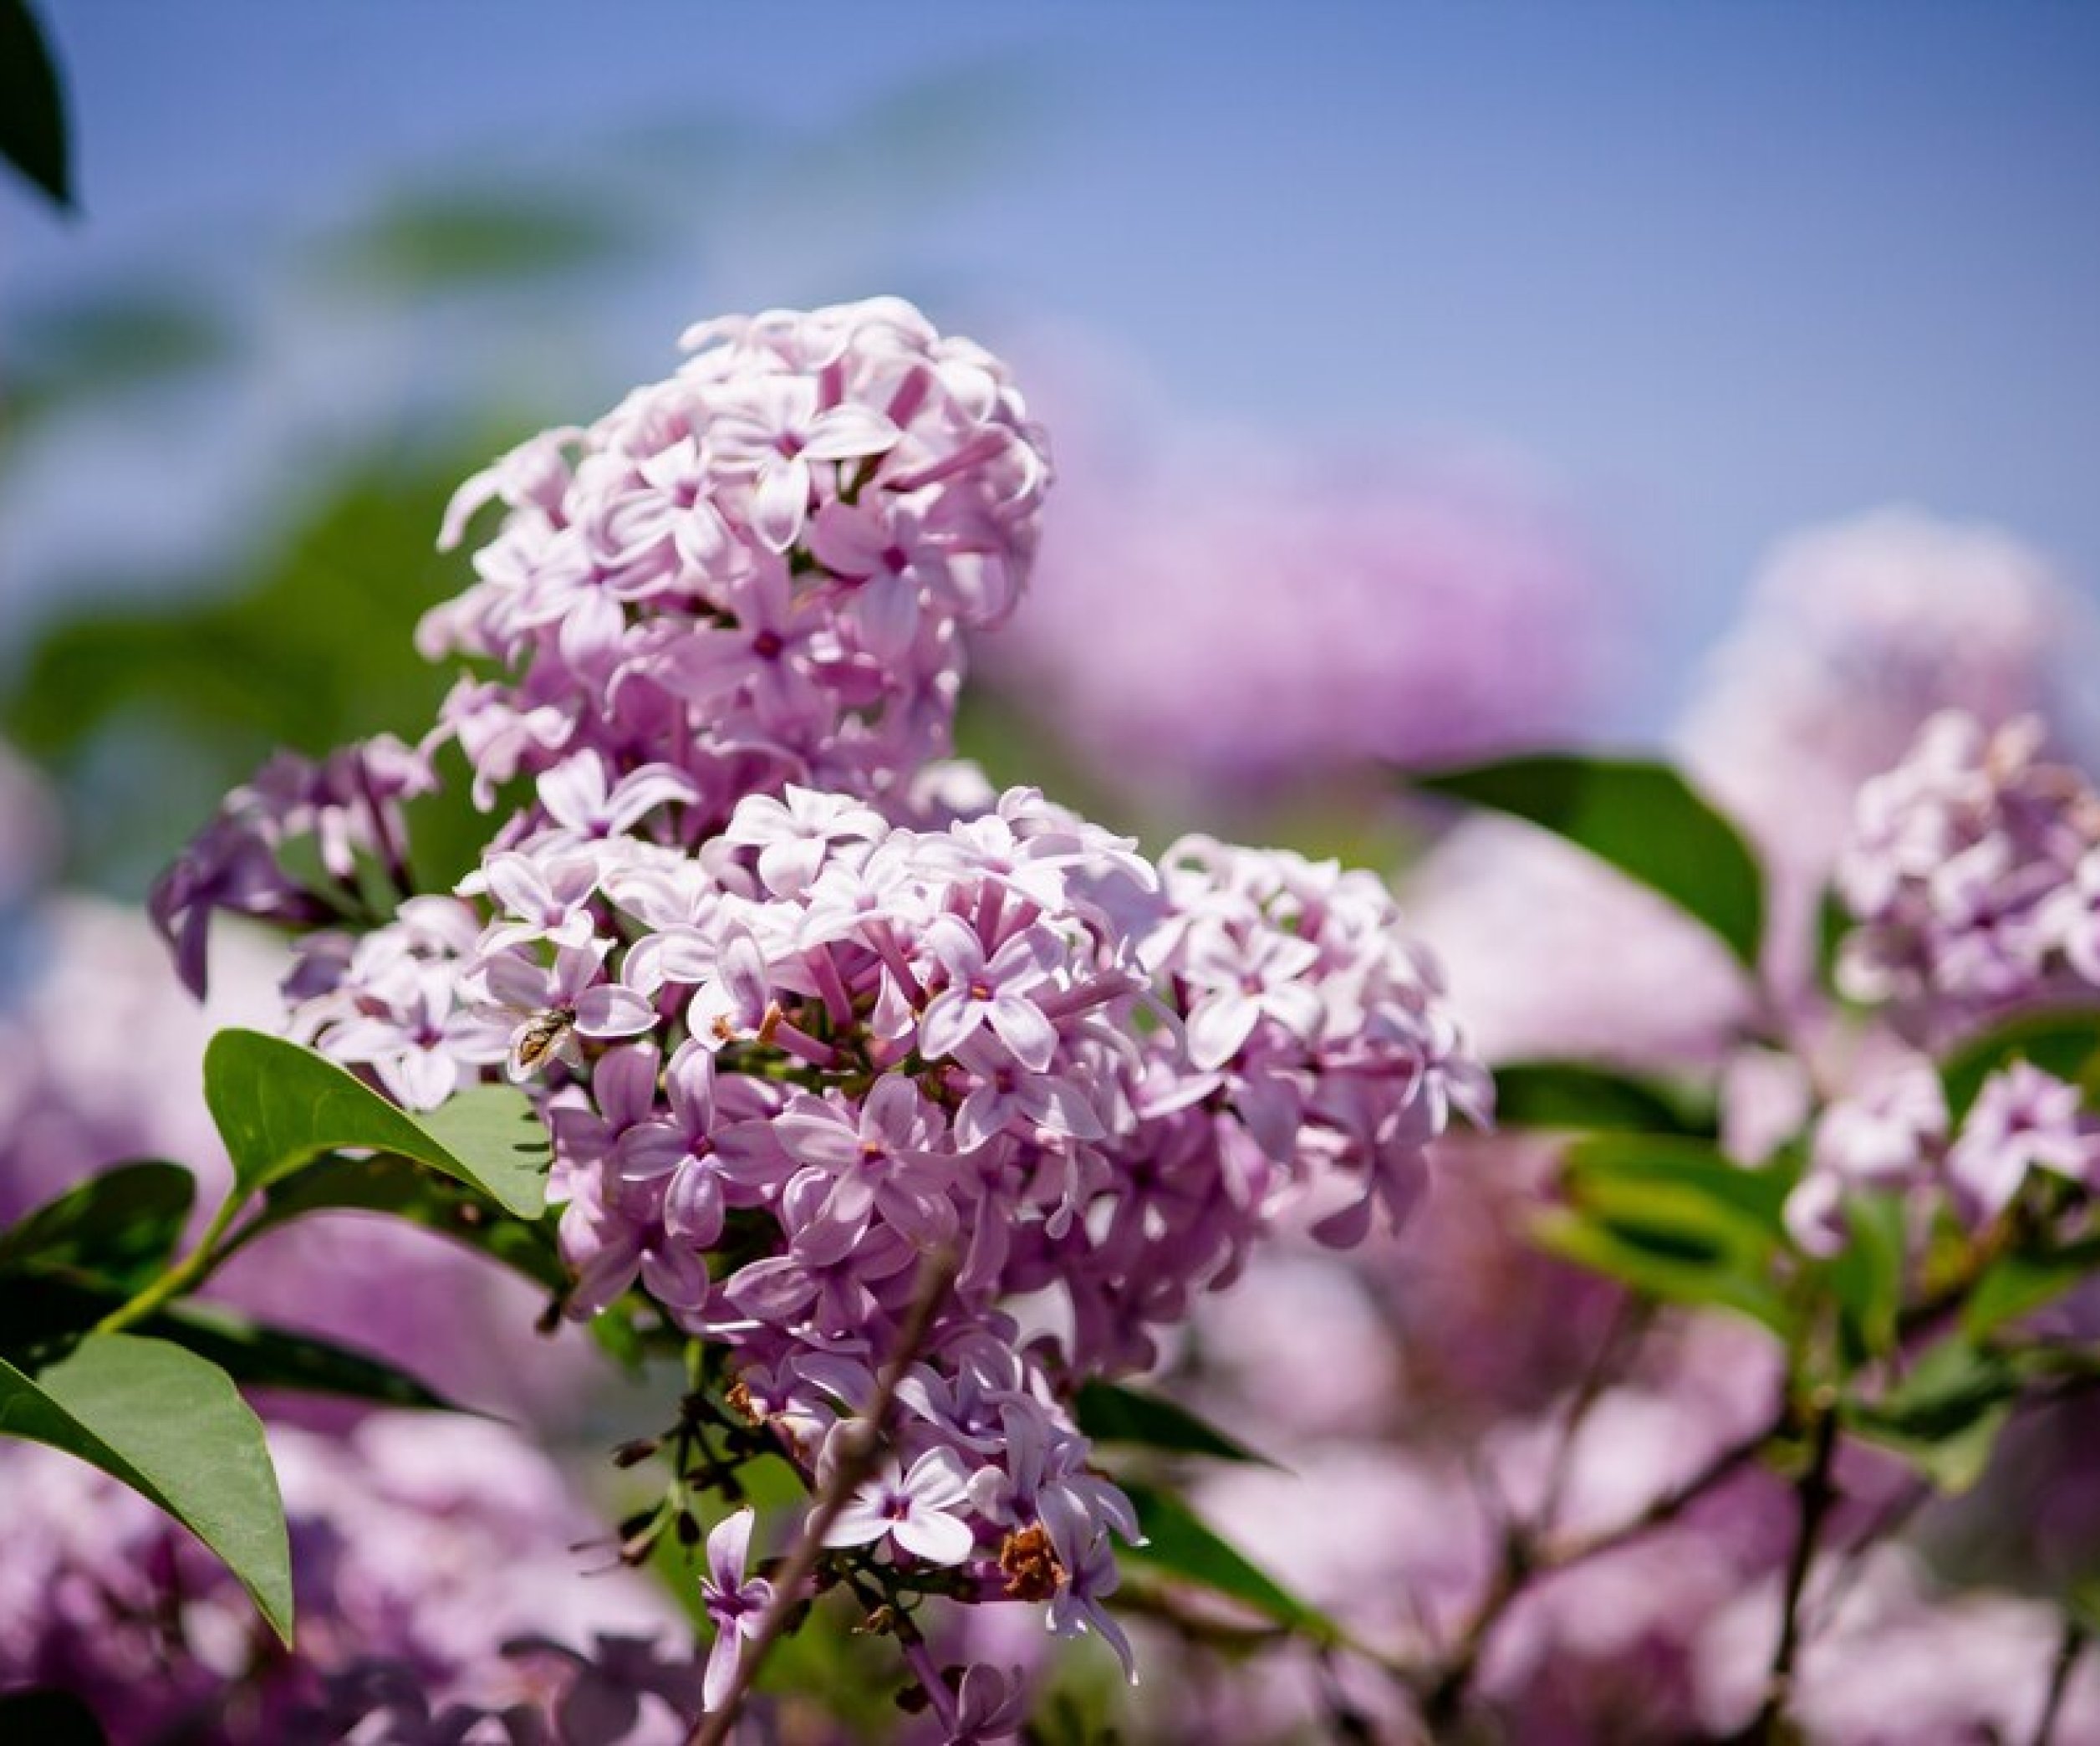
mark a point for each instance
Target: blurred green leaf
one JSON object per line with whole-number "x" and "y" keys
{"x": 149, "y": 710}
{"x": 2066, "y": 1043}
{"x": 1575, "y": 1095}
{"x": 1945, "y": 1414}
{"x": 172, "y": 1427}
{"x": 279, "y": 1106}
{"x": 2018, "y": 1284}
{"x": 1751, "y": 1200}
{"x": 1640, "y": 817}
{"x": 122, "y": 1225}
{"x": 1866, "y": 1276}
{"x": 1110, "y": 1413}
{"x": 1675, "y": 1220}
{"x": 432, "y": 240}
{"x": 1179, "y": 1545}
{"x": 33, "y": 120}
{"x": 105, "y": 343}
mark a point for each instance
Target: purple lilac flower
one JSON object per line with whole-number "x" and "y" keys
{"x": 1277, "y": 616}
{"x": 737, "y": 1605}
{"x": 423, "y": 1550}
{"x": 1964, "y": 874}
{"x": 2023, "y": 1119}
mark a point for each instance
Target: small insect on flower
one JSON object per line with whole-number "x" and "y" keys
{"x": 546, "y": 1036}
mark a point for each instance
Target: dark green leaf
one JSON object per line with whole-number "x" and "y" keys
{"x": 42, "y": 1316}
{"x": 49, "y": 1718}
{"x": 401, "y": 1190}
{"x": 121, "y": 1226}
{"x": 1574, "y": 1095}
{"x": 1866, "y": 1276}
{"x": 279, "y": 1107}
{"x": 2015, "y": 1286}
{"x": 174, "y": 1428}
{"x": 2065, "y": 1044}
{"x": 33, "y": 123}
{"x": 1108, "y": 1413}
{"x": 1750, "y": 1200}
{"x": 1640, "y": 817}
{"x": 1945, "y": 1415}
{"x": 438, "y": 241}
{"x": 1660, "y": 1256}
{"x": 1179, "y": 1546}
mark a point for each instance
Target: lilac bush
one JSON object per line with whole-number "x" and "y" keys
{"x": 884, "y": 1127}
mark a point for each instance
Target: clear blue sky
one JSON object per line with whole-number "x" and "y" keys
{"x": 1720, "y": 267}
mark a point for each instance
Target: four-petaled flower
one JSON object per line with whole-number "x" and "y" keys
{"x": 738, "y": 1607}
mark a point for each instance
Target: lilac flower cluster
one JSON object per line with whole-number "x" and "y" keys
{"x": 347, "y": 808}
{"x": 801, "y": 1014}
{"x": 1893, "y": 1137}
{"x": 828, "y": 1044}
{"x": 1973, "y": 872}
{"x": 755, "y": 570}
{"x": 438, "y": 1599}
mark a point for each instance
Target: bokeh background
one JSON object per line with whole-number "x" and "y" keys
{"x": 1540, "y": 325}
{"x": 1424, "y": 379}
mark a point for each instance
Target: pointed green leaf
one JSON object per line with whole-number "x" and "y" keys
{"x": 173, "y": 1428}
{"x": 1110, "y": 1413}
{"x": 1180, "y": 1546}
{"x": 1944, "y": 1416}
{"x": 1576, "y": 1095}
{"x": 33, "y": 123}
{"x": 42, "y": 1316}
{"x": 1640, "y": 817}
{"x": 121, "y": 1226}
{"x": 279, "y": 1107}
{"x": 2015, "y": 1286}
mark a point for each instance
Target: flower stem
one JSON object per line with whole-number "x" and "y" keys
{"x": 180, "y": 1276}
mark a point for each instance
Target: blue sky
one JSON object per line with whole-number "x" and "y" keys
{"x": 1718, "y": 270}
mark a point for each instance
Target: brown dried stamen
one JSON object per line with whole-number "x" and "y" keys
{"x": 1031, "y": 1568}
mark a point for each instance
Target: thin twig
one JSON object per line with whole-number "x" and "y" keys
{"x": 1629, "y": 1322}
{"x": 1443, "y": 1686}
{"x": 860, "y": 1448}
{"x": 2069, "y": 1648}
{"x": 1815, "y": 1494}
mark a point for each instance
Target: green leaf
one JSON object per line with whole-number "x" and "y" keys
{"x": 434, "y": 241}
{"x": 173, "y": 1428}
{"x": 394, "y": 1186}
{"x": 42, "y": 1316}
{"x": 121, "y": 1226}
{"x": 1110, "y": 1413}
{"x": 33, "y": 123}
{"x": 1640, "y": 817}
{"x": 1658, "y": 1258}
{"x": 1748, "y": 1201}
{"x": 1179, "y": 1546}
{"x": 1576, "y": 1095}
{"x": 49, "y": 1718}
{"x": 2065, "y": 1044}
{"x": 279, "y": 1107}
{"x": 1866, "y": 1276}
{"x": 1945, "y": 1415}
{"x": 2018, "y": 1284}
